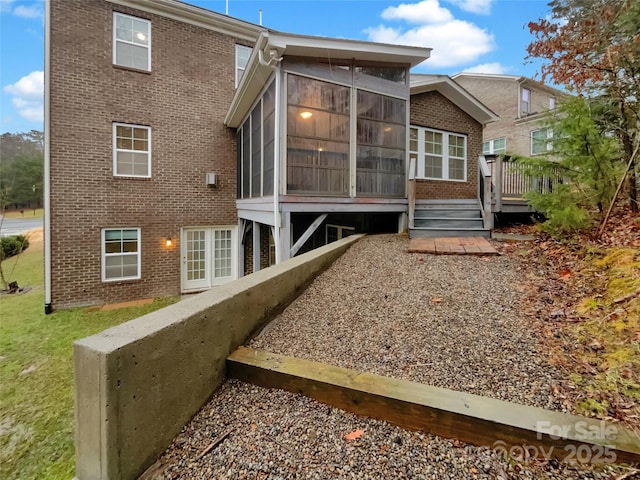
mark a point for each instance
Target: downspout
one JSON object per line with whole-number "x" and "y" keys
{"x": 48, "y": 308}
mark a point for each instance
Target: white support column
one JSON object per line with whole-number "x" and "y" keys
{"x": 240, "y": 240}
{"x": 285, "y": 237}
{"x": 256, "y": 247}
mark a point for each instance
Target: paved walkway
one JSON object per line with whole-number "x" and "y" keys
{"x": 452, "y": 246}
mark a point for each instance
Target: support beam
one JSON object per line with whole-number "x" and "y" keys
{"x": 307, "y": 234}
{"x": 471, "y": 418}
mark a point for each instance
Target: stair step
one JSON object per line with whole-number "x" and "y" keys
{"x": 436, "y": 232}
{"x": 449, "y": 222}
{"x": 453, "y": 213}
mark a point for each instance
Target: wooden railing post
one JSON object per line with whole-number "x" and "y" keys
{"x": 498, "y": 181}
{"x": 484, "y": 191}
{"x": 411, "y": 187}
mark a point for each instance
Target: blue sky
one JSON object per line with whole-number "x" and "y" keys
{"x": 488, "y": 36}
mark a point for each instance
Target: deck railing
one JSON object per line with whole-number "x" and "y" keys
{"x": 511, "y": 183}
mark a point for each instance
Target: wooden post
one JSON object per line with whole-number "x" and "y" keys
{"x": 497, "y": 181}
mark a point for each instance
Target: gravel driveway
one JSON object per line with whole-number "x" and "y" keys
{"x": 449, "y": 321}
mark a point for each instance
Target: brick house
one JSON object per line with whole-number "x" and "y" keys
{"x": 521, "y": 103}
{"x": 186, "y": 148}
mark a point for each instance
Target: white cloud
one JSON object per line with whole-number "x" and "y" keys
{"x": 495, "y": 67}
{"x": 33, "y": 11}
{"x": 454, "y": 43}
{"x": 424, "y": 12}
{"x": 28, "y": 96}
{"x": 481, "y": 7}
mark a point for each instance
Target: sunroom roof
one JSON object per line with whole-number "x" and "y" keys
{"x": 272, "y": 46}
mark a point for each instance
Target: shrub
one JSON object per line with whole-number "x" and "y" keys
{"x": 13, "y": 245}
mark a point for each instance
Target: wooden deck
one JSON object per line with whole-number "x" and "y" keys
{"x": 452, "y": 246}
{"x": 471, "y": 418}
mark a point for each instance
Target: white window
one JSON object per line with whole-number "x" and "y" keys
{"x": 242, "y": 58}
{"x": 438, "y": 155}
{"x": 131, "y": 150}
{"x": 525, "y": 101}
{"x": 552, "y": 103}
{"x": 541, "y": 141}
{"x": 131, "y": 42}
{"x": 120, "y": 254}
{"x": 494, "y": 146}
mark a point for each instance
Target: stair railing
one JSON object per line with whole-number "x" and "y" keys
{"x": 484, "y": 192}
{"x": 411, "y": 193}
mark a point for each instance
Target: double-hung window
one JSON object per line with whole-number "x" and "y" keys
{"x": 438, "y": 155}
{"x": 131, "y": 150}
{"x": 242, "y": 58}
{"x": 494, "y": 146}
{"x": 131, "y": 42}
{"x": 120, "y": 254}
{"x": 541, "y": 141}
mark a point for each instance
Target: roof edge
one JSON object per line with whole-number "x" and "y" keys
{"x": 197, "y": 16}
{"x": 455, "y": 93}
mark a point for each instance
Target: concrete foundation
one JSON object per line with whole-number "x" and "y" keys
{"x": 138, "y": 384}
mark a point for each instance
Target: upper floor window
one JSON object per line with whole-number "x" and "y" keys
{"x": 525, "y": 101}
{"x": 438, "y": 155}
{"x": 131, "y": 150}
{"x": 494, "y": 146}
{"x": 242, "y": 58}
{"x": 120, "y": 254}
{"x": 541, "y": 141}
{"x": 131, "y": 42}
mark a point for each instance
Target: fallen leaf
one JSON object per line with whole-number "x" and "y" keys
{"x": 353, "y": 435}
{"x": 565, "y": 274}
{"x": 436, "y": 300}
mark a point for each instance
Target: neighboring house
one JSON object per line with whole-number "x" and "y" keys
{"x": 186, "y": 148}
{"x": 521, "y": 103}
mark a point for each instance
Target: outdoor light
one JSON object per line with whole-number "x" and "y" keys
{"x": 306, "y": 114}
{"x": 168, "y": 242}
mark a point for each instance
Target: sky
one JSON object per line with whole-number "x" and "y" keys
{"x": 487, "y": 36}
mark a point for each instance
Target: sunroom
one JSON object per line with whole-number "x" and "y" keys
{"x": 322, "y": 140}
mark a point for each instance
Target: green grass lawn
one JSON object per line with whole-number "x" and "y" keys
{"x": 36, "y": 374}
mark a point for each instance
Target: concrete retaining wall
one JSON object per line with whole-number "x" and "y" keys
{"x": 138, "y": 384}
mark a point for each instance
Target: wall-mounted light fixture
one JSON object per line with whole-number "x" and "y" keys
{"x": 168, "y": 242}
{"x": 306, "y": 114}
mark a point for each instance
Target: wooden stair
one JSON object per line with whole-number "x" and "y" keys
{"x": 471, "y": 418}
{"x": 448, "y": 218}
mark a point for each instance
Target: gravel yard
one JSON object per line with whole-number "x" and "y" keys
{"x": 449, "y": 321}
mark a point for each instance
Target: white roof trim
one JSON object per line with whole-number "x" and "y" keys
{"x": 198, "y": 16}
{"x": 275, "y": 45}
{"x": 455, "y": 93}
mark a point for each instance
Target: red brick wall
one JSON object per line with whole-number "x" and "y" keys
{"x": 433, "y": 110}
{"x": 184, "y": 99}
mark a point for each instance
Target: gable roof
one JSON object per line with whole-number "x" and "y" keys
{"x": 422, "y": 83}
{"x": 526, "y": 81}
{"x": 272, "y": 46}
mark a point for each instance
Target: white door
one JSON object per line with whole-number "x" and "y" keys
{"x": 195, "y": 272}
{"x": 208, "y": 257}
